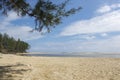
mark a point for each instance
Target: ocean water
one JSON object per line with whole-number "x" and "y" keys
{"x": 66, "y": 54}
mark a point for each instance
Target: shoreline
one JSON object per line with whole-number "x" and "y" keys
{"x": 15, "y": 67}
{"x": 84, "y": 55}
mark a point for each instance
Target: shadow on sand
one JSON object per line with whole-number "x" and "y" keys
{"x": 10, "y": 72}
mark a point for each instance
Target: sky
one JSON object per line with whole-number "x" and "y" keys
{"x": 95, "y": 28}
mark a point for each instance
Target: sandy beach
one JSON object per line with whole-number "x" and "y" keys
{"x": 13, "y": 67}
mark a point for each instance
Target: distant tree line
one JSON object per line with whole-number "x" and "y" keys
{"x": 10, "y": 45}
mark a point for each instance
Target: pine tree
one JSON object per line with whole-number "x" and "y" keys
{"x": 10, "y": 45}
{"x": 47, "y": 14}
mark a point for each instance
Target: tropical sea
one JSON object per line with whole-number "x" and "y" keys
{"x": 74, "y": 54}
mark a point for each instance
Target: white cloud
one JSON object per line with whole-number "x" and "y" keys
{"x": 87, "y": 37}
{"x": 17, "y": 31}
{"x": 12, "y": 16}
{"x": 108, "y": 8}
{"x": 22, "y": 32}
{"x": 104, "y": 34}
{"x": 108, "y": 22}
{"x": 107, "y": 45}
{"x": 115, "y": 6}
{"x": 90, "y": 37}
{"x": 111, "y": 44}
{"x": 104, "y": 9}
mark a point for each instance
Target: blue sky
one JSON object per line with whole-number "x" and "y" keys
{"x": 96, "y": 28}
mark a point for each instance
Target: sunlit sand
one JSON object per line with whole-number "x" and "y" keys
{"x": 14, "y": 67}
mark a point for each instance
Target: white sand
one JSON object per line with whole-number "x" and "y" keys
{"x": 60, "y": 68}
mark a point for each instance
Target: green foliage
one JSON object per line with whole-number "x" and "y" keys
{"x": 45, "y": 12}
{"x": 10, "y": 45}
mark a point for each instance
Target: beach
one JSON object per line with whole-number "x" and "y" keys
{"x": 15, "y": 67}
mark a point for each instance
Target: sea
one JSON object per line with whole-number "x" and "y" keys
{"x": 74, "y": 54}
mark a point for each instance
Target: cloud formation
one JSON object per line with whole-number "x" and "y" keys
{"x": 95, "y": 31}
{"x": 108, "y": 8}
{"x": 108, "y": 22}
{"x": 17, "y": 31}
{"x": 111, "y": 44}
